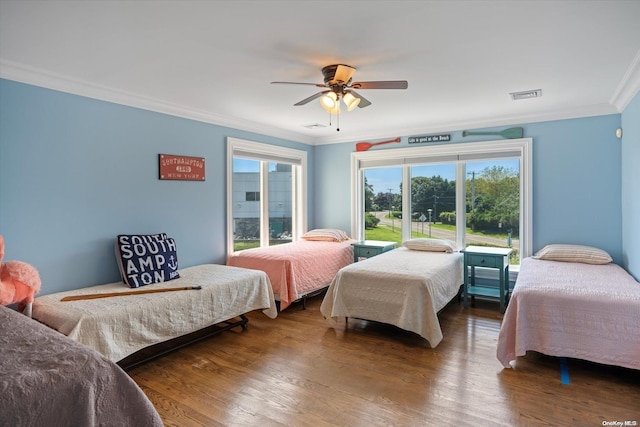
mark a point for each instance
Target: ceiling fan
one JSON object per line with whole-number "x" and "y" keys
{"x": 338, "y": 84}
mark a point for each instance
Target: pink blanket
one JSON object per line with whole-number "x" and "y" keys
{"x": 296, "y": 268}
{"x": 565, "y": 309}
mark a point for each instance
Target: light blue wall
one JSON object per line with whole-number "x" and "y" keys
{"x": 631, "y": 187}
{"x": 75, "y": 172}
{"x": 576, "y": 182}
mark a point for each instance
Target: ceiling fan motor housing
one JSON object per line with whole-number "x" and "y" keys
{"x": 329, "y": 73}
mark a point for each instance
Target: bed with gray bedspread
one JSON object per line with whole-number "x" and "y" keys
{"x": 49, "y": 379}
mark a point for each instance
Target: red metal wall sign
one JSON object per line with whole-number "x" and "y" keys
{"x": 181, "y": 168}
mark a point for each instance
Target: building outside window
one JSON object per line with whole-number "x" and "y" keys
{"x": 267, "y": 203}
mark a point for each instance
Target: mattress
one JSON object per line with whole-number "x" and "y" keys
{"x": 49, "y": 379}
{"x": 119, "y": 326}
{"x": 401, "y": 287}
{"x": 296, "y": 268}
{"x": 568, "y": 309}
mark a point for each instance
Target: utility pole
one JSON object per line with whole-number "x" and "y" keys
{"x": 435, "y": 205}
{"x": 473, "y": 189}
{"x": 390, "y": 213}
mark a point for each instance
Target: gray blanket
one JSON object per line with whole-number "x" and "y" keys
{"x": 48, "y": 379}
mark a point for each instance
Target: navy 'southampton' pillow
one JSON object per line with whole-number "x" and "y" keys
{"x": 146, "y": 259}
{"x": 153, "y": 237}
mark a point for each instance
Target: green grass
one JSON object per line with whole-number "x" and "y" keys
{"x": 452, "y": 227}
{"x": 385, "y": 234}
{"x": 240, "y": 245}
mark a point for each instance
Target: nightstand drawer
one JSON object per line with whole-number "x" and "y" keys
{"x": 484, "y": 261}
{"x": 370, "y": 248}
{"x": 367, "y": 252}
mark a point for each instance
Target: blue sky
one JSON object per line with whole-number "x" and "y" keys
{"x": 385, "y": 178}
{"x": 248, "y": 165}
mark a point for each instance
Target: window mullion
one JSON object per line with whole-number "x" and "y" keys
{"x": 406, "y": 203}
{"x": 264, "y": 203}
{"x": 461, "y": 203}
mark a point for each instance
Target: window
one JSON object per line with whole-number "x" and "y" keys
{"x": 266, "y": 198}
{"x": 251, "y": 196}
{"x": 493, "y": 204}
{"x": 383, "y": 204}
{"x": 472, "y": 193}
{"x": 433, "y": 201}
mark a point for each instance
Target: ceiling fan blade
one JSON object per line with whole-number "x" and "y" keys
{"x": 311, "y": 98}
{"x": 386, "y": 84}
{"x": 343, "y": 74}
{"x": 364, "y": 102}
{"x": 299, "y": 83}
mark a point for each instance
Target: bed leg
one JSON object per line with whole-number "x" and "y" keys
{"x": 245, "y": 321}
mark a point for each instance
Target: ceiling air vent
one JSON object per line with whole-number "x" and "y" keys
{"x": 527, "y": 94}
{"x": 315, "y": 126}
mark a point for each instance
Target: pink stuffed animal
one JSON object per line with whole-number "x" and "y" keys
{"x": 19, "y": 282}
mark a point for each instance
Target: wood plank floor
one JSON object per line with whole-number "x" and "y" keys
{"x": 296, "y": 371}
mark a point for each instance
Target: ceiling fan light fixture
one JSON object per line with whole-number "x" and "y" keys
{"x": 335, "y": 109}
{"x": 350, "y": 101}
{"x": 329, "y": 101}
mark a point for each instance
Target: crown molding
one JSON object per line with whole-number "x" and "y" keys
{"x": 574, "y": 113}
{"x": 37, "y": 77}
{"x": 629, "y": 85}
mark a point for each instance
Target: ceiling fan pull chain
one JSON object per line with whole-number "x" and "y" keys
{"x": 338, "y": 126}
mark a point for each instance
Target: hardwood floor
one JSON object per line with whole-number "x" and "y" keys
{"x": 296, "y": 371}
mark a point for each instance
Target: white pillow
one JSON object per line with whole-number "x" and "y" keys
{"x": 326, "y": 235}
{"x": 430, "y": 245}
{"x": 573, "y": 253}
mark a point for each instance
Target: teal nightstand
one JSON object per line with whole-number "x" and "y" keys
{"x": 370, "y": 248}
{"x": 487, "y": 257}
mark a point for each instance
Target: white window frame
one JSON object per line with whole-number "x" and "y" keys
{"x": 458, "y": 153}
{"x": 269, "y": 153}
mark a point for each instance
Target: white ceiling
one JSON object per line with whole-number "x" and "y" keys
{"x": 214, "y": 60}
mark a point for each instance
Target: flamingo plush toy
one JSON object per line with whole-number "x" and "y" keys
{"x": 19, "y": 282}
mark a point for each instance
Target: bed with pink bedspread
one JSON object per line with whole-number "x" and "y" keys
{"x": 298, "y": 268}
{"x": 576, "y": 310}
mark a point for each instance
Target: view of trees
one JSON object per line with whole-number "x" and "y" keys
{"x": 433, "y": 193}
{"x": 492, "y": 199}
